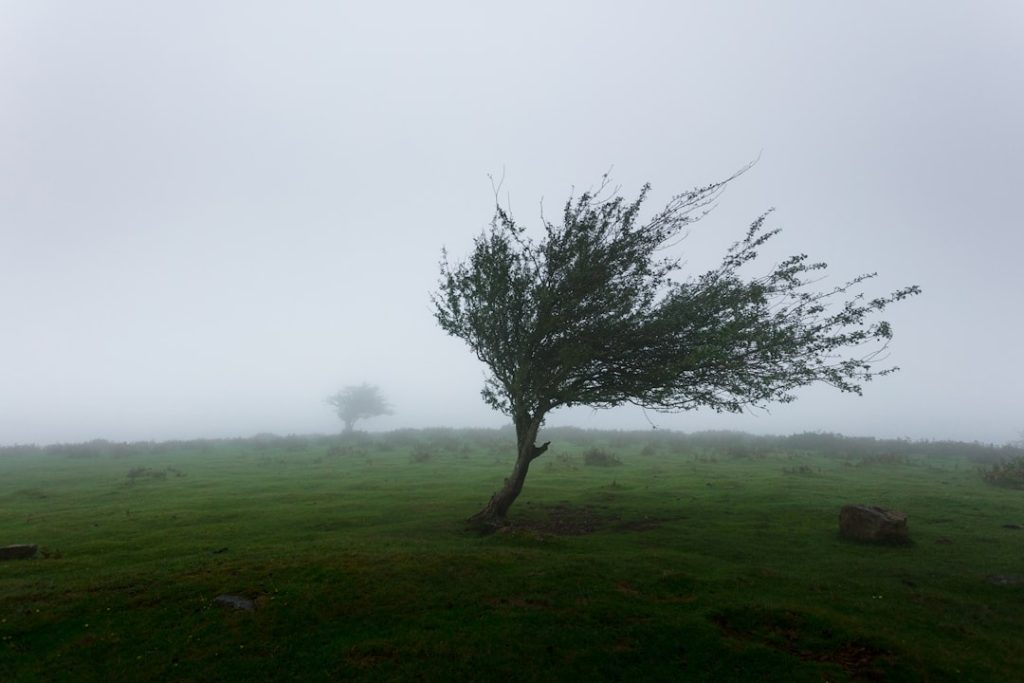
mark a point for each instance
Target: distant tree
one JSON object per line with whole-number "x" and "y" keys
{"x": 591, "y": 315}
{"x": 358, "y": 402}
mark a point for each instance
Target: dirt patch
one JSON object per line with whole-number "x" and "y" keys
{"x": 645, "y": 524}
{"x": 565, "y": 519}
{"x": 518, "y": 602}
{"x": 236, "y": 602}
{"x": 371, "y": 654}
{"x": 805, "y": 637}
{"x": 857, "y": 658}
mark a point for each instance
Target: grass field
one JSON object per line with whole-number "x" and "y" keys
{"x": 713, "y": 559}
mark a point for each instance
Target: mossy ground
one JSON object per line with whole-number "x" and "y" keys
{"x": 676, "y": 565}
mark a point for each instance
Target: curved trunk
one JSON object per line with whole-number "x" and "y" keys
{"x": 493, "y": 515}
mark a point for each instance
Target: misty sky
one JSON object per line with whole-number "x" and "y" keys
{"x": 215, "y": 214}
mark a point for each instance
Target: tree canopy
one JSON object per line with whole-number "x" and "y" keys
{"x": 358, "y": 402}
{"x": 593, "y": 313}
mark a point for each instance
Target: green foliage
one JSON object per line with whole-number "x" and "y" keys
{"x": 592, "y": 314}
{"x": 1009, "y": 474}
{"x": 358, "y": 402}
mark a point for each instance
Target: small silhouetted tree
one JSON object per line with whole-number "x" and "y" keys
{"x": 358, "y": 402}
{"x": 591, "y": 314}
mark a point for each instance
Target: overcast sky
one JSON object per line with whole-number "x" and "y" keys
{"x": 215, "y": 214}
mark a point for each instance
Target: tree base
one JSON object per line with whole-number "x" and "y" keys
{"x": 485, "y": 523}
{"x": 493, "y": 516}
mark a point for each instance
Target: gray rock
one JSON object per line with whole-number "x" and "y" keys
{"x": 873, "y": 524}
{"x": 18, "y": 552}
{"x": 236, "y": 601}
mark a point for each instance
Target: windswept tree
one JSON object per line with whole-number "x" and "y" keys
{"x": 357, "y": 403}
{"x": 592, "y": 313}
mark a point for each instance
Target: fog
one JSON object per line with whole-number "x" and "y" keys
{"x": 213, "y": 215}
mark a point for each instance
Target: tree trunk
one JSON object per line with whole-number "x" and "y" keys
{"x": 493, "y": 515}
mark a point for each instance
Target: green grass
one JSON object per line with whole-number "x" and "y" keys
{"x": 698, "y": 565}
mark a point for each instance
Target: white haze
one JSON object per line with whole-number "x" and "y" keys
{"x": 215, "y": 214}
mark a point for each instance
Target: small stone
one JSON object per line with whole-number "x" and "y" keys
{"x": 236, "y": 601}
{"x": 18, "y": 552}
{"x": 873, "y": 524}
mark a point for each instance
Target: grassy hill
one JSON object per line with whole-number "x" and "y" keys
{"x": 684, "y": 557}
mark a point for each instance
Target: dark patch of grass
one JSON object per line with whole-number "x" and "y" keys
{"x": 883, "y": 459}
{"x": 31, "y": 494}
{"x": 345, "y": 450}
{"x": 148, "y": 473}
{"x": 137, "y": 473}
{"x": 811, "y": 639}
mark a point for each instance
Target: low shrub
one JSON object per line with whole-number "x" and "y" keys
{"x": 421, "y": 454}
{"x": 345, "y": 451}
{"x": 1009, "y": 474}
{"x": 596, "y": 457}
